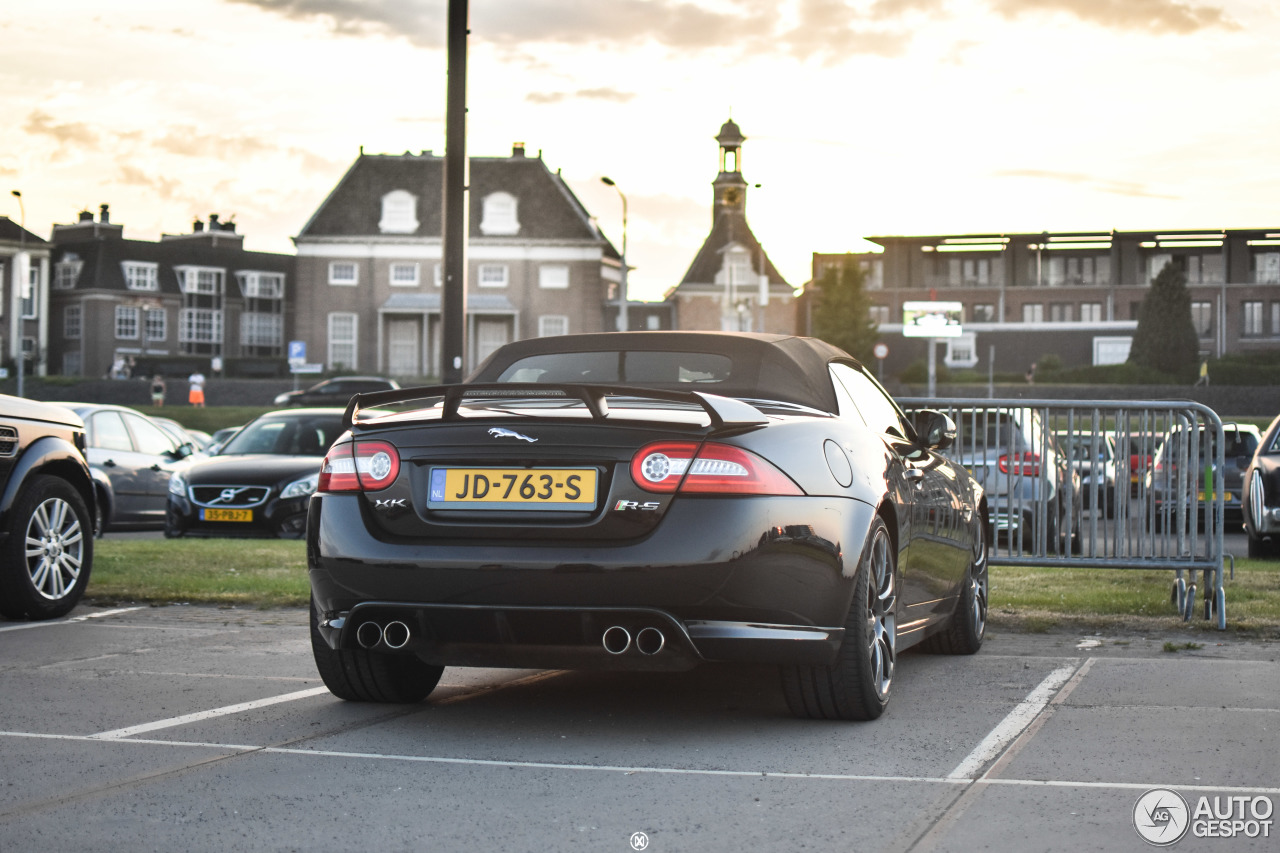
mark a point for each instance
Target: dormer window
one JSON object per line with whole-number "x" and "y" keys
{"x": 67, "y": 271}
{"x": 499, "y": 217}
{"x": 140, "y": 275}
{"x": 399, "y": 213}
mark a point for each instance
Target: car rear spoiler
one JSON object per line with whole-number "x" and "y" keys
{"x": 726, "y": 413}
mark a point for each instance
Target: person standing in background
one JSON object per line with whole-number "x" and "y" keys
{"x": 157, "y": 391}
{"x": 215, "y": 366}
{"x": 196, "y": 395}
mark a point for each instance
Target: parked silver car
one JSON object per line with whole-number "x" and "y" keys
{"x": 1094, "y": 457}
{"x": 130, "y": 459}
{"x": 1028, "y": 479}
{"x": 1171, "y": 487}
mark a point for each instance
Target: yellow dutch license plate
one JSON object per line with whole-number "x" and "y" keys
{"x": 512, "y": 488}
{"x": 1225, "y": 497}
{"x": 227, "y": 514}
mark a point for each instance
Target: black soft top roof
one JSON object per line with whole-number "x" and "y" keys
{"x": 770, "y": 367}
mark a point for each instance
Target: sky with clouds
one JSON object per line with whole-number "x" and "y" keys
{"x": 862, "y": 117}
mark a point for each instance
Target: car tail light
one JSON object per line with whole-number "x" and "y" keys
{"x": 1020, "y": 464}
{"x": 711, "y": 468}
{"x": 362, "y": 466}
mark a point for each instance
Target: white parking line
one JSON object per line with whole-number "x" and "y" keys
{"x": 679, "y": 771}
{"x": 1012, "y": 725}
{"x": 117, "y": 734}
{"x": 22, "y": 626}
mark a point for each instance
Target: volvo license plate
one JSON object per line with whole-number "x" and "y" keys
{"x": 226, "y": 514}
{"x": 512, "y": 488}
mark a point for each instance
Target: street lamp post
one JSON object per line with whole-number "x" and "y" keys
{"x": 624, "y": 323}
{"x": 22, "y": 287}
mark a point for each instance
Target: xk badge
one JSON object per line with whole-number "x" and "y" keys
{"x": 389, "y": 503}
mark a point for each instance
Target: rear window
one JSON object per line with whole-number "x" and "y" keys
{"x": 663, "y": 369}
{"x": 310, "y": 436}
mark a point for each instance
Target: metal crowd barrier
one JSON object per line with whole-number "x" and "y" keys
{"x": 1100, "y": 484}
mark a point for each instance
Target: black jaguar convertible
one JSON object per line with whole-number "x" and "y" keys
{"x": 645, "y": 501}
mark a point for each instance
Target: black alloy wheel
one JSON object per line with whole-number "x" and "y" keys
{"x": 858, "y": 684}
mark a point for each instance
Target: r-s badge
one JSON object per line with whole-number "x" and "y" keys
{"x": 648, "y": 506}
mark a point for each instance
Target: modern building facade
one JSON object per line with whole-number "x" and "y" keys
{"x": 197, "y": 295}
{"x": 1074, "y": 294}
{"x": 24, "y": 298}
{"x": 731, "y": 285}
{"x": 370, "y": 263}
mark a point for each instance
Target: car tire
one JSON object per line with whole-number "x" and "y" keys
{"x": 47, "y": 583}
{"x": 1261, "y": 548}
{"x": 360, "y": 675}
{"x": 967, "y": 625}
{"x": 857, "y": 685}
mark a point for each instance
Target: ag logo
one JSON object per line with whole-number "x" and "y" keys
{"x": 1161, "y": 817}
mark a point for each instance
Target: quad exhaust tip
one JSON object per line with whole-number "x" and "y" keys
{"x": 648, "y": 640}
{"x": 616, "y": 640}
{"x": 395, "y": 635}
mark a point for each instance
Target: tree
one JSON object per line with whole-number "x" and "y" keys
{"x": 842, "y": 314}
{"x": 1166, "y": 339}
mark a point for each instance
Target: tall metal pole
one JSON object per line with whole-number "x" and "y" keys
{"x": 453, "y": 308}
{"x": 25, "y": 270}
{"x": 624, "y": 323}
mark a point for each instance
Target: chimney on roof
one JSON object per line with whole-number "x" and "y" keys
{"x": 104, "y": 214}
{"x": 517, "y": 149}
{"x": 86, "y": 216}
{"x": 197, "y": 226}
{"x": 213, "y": 222}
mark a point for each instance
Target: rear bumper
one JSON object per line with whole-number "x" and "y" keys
{"x": 719, "y": 579}
{"x": 574, "y": 638}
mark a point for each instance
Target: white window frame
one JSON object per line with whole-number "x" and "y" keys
{"x": 1091, "y": 312}
{"x": 501, "y": 215}
{"x": 338, "y": 342}
{"x": 410, "y": 280}
{"x": 1033, "y": 312}
{"x": 551, "y": 325}
{"x": 203, "y": 281}
{"x": 1251, "y": 319}
{"x": 72, "y": 322}
{"x": 67, "y": 272}
{"x": 553, "y": 276}
{"x": 200, "y": 326}
{"x": 260, "y": 285}
{"x": 127, "y": 321}
{"x": 261, "y": 329}
{"x": 492, "y": 269}
{"x": 30, "y": 302}
{"x": 437, "y": 275}
{"x": 155, "y": 324}
{"x": 141, "y": 275}
{"x": 399, "y": 213}
{"x": 341, "y": 280}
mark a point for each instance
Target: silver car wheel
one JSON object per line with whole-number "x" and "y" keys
{"x": 978, "y": 586}
{"x": 882, "y": 601}
{"x": 54, "y": 549}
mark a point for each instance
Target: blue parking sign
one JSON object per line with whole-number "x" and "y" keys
{"x": 297, "y": 350}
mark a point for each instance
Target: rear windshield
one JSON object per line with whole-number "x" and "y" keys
{"x": 663, "y": 369}
{"x": 304, "y": 436}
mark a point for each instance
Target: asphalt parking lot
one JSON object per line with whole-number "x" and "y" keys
{"x": 200, "y": 728}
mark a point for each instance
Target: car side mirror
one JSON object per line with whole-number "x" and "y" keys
{"x": 936, "y": 430}
{"x": 182, "y": 451}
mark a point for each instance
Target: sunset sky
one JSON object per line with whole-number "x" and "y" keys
{"x": 866, "y": 117}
